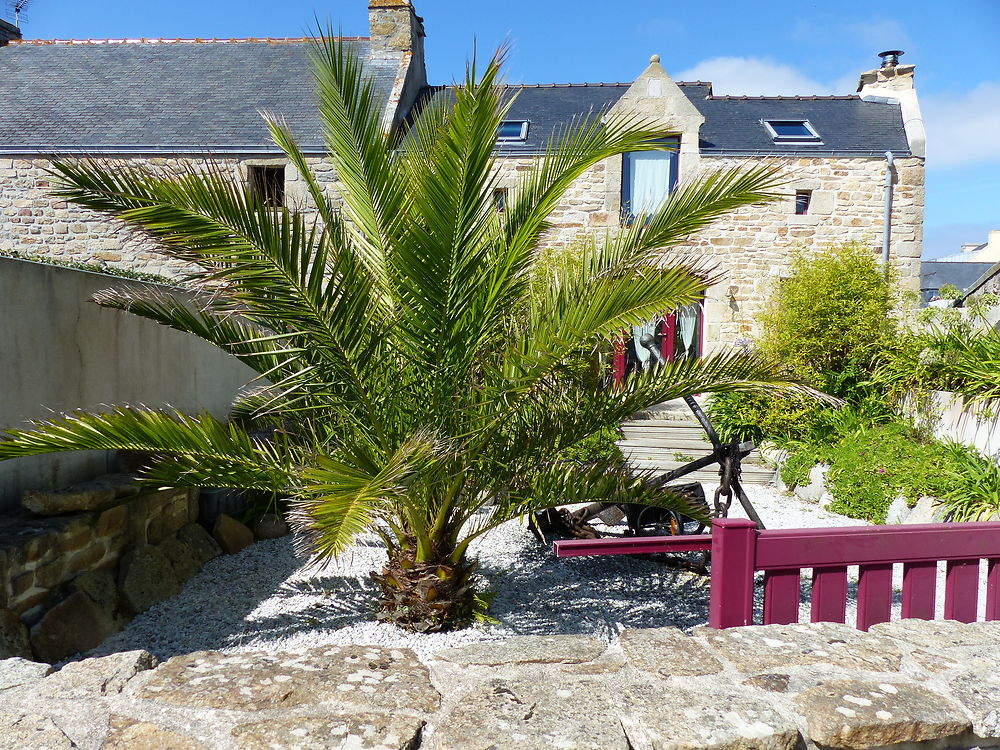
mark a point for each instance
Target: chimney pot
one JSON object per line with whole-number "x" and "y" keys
{"x": 890, "y": 58}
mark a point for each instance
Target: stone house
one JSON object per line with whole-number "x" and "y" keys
{"x": 172, "y": 103}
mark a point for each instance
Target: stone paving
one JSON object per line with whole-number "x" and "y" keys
{"x": 907, "y": 684}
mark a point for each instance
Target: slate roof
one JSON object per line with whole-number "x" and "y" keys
{"x": 847, "y": 125}
{"x": 935, "y": 274}
{"x": 169, "y": 95}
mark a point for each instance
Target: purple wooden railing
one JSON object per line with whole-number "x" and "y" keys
{"x": 739, "y": 549}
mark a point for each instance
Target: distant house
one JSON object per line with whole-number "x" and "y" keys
{"x": 171, "y": 102}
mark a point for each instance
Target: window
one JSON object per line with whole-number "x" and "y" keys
{"x": 268, "y": 184}
{"x": 500, "y": 199}
{"x": 791, "y": 131}
{"x": 512, "y": 130}
{"x": 648, "y": 178}
{"x": 802, "y": 199}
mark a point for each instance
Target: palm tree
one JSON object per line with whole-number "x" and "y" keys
{"x": 413, "y": 385}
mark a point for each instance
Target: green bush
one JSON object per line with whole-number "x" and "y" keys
{"x": 751, "y": 416}
{"x": 832, "y": 317}
{"x": 973, "y": 485}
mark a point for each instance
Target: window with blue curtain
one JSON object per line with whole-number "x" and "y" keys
{"x": 648, "y": 178}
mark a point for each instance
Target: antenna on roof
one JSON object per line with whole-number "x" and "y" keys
{"x": 18, "y": 7}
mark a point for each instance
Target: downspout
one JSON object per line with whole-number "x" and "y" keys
{"x": 887, "y": 223}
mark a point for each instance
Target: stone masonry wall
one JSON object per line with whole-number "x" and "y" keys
{"x": 33, "y": 221}
{"x": 752, "y": 247}
{"x": 908, "y": 685}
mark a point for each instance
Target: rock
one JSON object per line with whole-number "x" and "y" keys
{"x": 204, "y": 546}
{"x": 531, "y": 715}
{"x": 270, "y": 526}
{"x": 826, "y": 500}
{"x": 927, "y": 510}
{"x": 83, "y": 496}
{"x": 128, "y": 734}
{"x": 13, "y": 636}
{"x": 527, "y": 649}
{"x": 103, "y": 675}
{"x": 667, "y": 651}
{"x": 662, "y": 716}
{"x": 342, "y": 731}
{"x": 16, "y": 672}
{"x": 145, "y": 577}
{"x": 940, "y": 636}
{"x": 898, "y": 510}
{"x": 31, "y": 732}
{"x": 979, "y": 692}
{"x": 231, "y": 535}
{"x": 858, "y": 714}
{"x": 772, "y": 683}
{"x": 100, "y": 586}
{"x": 362, "y": 676}
{"x": 764, "y": 647}
{"x": 816, "y": 486}
{"x": 183, "y": 558}
{"x": 75, "y": 624}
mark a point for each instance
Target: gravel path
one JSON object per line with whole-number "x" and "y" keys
{"x": 265, "y": 598}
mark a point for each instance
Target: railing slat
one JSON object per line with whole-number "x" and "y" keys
{"x": 874, "y": 594}
{"x": 829, "y": 594}
{"x": 919, "y": 590}
{"x": 993, "y": 589}
{"x": 782, "y": 591}
{"x": 961, "y": 590}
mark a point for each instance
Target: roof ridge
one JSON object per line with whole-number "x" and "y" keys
{"x": 192, "y": 40}
{"x": 814, "y": 97}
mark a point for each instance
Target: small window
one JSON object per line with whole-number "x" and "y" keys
{"x": 512, "y": 130}
{"x": 268, "y": 184}
{"x": 802, "y": 199}
{"x": 791, "y": 131}
{"x": 500, "y": 199}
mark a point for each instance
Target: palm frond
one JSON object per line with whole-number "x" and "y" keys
{"x": 187, "y": 450}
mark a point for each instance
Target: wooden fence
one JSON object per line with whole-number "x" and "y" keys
{"x": 739, "y": 550}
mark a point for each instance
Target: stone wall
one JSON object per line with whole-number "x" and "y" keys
{"x": 33, "y": 221}
{"x": 752, "y": 247}
{"x": 74, "y": 578}
{"x": 907, "y": 685}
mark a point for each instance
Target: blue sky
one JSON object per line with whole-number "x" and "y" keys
{"x": 808, "y": 47}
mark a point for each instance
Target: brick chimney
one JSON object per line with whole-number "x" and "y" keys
{"x": 395, "y": 27}
{"x": 893, "y": 83}
{"x": 8, "y": 32}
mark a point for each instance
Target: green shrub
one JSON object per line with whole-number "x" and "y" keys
{"x": 751, "y": 416}
{"x": 973, "y": 485}
{"x": 832, "y": 317}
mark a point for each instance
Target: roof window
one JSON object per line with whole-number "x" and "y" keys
{"x": 791, "y": 131}
{"x": 512, "y": 130}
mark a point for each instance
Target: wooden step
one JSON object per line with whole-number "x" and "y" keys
{"x": 671, "y": 443}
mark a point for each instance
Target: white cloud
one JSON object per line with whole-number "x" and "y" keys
{"x": 963, "y": 130}
{"x": 752, "y": 76}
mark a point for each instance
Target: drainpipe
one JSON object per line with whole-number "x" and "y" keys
{"x": 887, "y": 224}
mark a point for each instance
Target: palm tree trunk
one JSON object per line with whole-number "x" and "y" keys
{"x": 426, "y": 596}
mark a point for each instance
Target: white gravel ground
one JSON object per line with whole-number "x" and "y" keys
{"x": 265, "y": 598}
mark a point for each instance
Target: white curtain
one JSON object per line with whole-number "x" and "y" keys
{"x": 687, "y": 326}
{"x": 641, "y": 352}
{"x": 649, "y": 180}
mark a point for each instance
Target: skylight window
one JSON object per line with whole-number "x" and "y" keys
{"x": 791, "y": 131}
{"x": 512, "y": 130}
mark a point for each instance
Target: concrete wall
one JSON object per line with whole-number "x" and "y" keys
{"x": 60, "y": 351}
{"x": 974, "y": 426}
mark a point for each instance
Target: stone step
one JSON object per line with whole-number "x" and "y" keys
{"x": 672, "y": 443}
{"x": 751, "y": 474}
{"x": 660, "y": 429}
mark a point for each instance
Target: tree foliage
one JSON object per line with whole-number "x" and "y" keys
{"x": 412, "y": 352}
